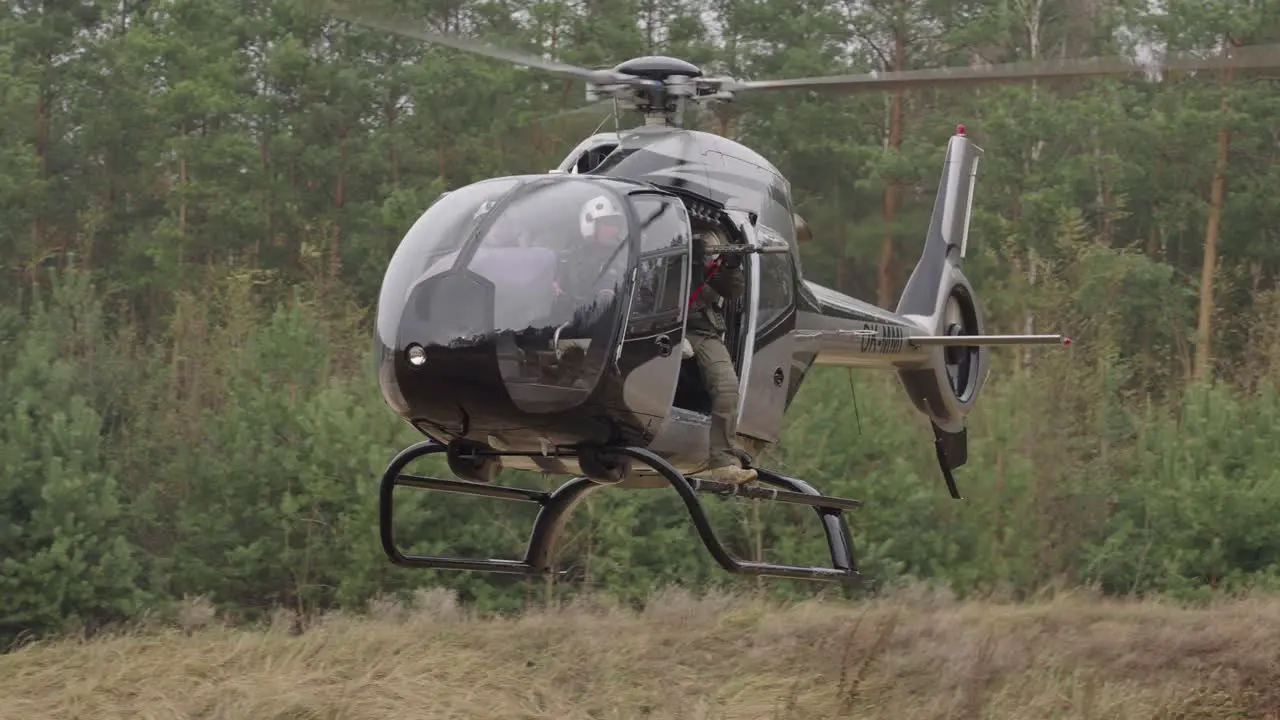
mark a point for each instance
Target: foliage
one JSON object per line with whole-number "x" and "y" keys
{"x": 202, "y": 198}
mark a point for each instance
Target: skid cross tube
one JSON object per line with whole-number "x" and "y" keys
{"x": 838, "y": 538}
{"x": 557, "y": 506}
{"x": 555, "y": 511}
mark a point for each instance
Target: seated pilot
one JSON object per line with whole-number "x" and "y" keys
{"x": 591, "y": 270}
{"x": 593, "y": 263}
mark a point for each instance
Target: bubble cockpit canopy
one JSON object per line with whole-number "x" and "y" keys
{"x": 531, "y": 270}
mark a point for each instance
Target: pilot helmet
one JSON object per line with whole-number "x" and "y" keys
{"x": 601, "y": 220}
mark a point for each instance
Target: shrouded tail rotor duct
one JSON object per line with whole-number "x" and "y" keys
{"x": 963, "y": 362}
{"x": 946, "y": 388}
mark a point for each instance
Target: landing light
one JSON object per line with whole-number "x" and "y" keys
{"x": 417, "y": 356}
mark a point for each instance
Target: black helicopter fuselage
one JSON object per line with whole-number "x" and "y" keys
{"x": 538, "y": 321}
{"x": 502, "y": 321}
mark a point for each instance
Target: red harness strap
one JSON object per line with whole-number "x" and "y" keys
{"x": 715, "y": 266}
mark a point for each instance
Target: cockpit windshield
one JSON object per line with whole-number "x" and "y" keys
{"x": 535, "y": 274}
{"x": 437, "y": 233}
{"x": 557, "y": 255}
{"x": 555, "y": 252}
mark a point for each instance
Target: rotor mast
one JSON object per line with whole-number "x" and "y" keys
{"x": 662, "y": 100}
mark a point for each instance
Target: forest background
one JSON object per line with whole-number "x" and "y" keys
{"x": 200, "y": 197}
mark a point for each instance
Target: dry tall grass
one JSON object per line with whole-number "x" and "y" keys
{"x": 913, "y": 656}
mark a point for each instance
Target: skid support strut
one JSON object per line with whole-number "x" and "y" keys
{"x": 557, "y": 506}
{"x": 555, "y": 511}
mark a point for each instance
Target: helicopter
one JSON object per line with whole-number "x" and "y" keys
{"x": 504, "y": 359}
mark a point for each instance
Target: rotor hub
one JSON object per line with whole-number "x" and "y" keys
{"x": 660, "y": 87}
{"x": 658, "y": 68}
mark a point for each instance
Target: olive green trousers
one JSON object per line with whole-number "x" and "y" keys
{"x": 721, "y": 383}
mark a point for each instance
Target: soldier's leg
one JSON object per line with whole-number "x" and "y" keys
{"x": 721, "y": 383}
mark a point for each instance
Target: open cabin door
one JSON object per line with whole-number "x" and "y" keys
{"x": 650, "y": 358}
{"x": 764, "y": 378}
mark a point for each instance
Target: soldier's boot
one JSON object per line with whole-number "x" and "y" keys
{"x": 732, "y": 474}
{"x": 726, "y": 463}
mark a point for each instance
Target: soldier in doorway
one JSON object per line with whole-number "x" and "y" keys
{"x": 718, "y": 281}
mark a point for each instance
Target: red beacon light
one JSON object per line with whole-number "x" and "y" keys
{"x": 960, "y": 130}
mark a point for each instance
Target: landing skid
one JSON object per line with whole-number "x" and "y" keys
{"x": 556, "y": 507}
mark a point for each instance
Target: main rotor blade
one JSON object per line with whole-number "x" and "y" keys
{"x": 596, "y": 77}
{"x": 1256, "y": 56}
{"x": 597, "y": 106}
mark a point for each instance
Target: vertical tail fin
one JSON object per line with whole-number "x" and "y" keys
{"x": 940, "y": 299}
{"x": 948, "y": 236}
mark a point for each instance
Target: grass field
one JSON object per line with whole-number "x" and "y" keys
{"x": 912, "y": 656}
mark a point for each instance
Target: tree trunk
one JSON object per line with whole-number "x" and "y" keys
{"x": 1034, "y": 20}
{"x": 1204, "y": 328}
{"x": 268, "y": 203}
{"x": 42, "y": 164}
{"x": 182, "y": 203}
{"x": 885, "y": 289}
{"x": 393, "y": 158}
{"x": 339, "y": 202}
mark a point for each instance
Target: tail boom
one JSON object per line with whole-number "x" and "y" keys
{"x": 934, "y": 339}
{"x": 876, "y": 344}
{"x": 989, "y": 340}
